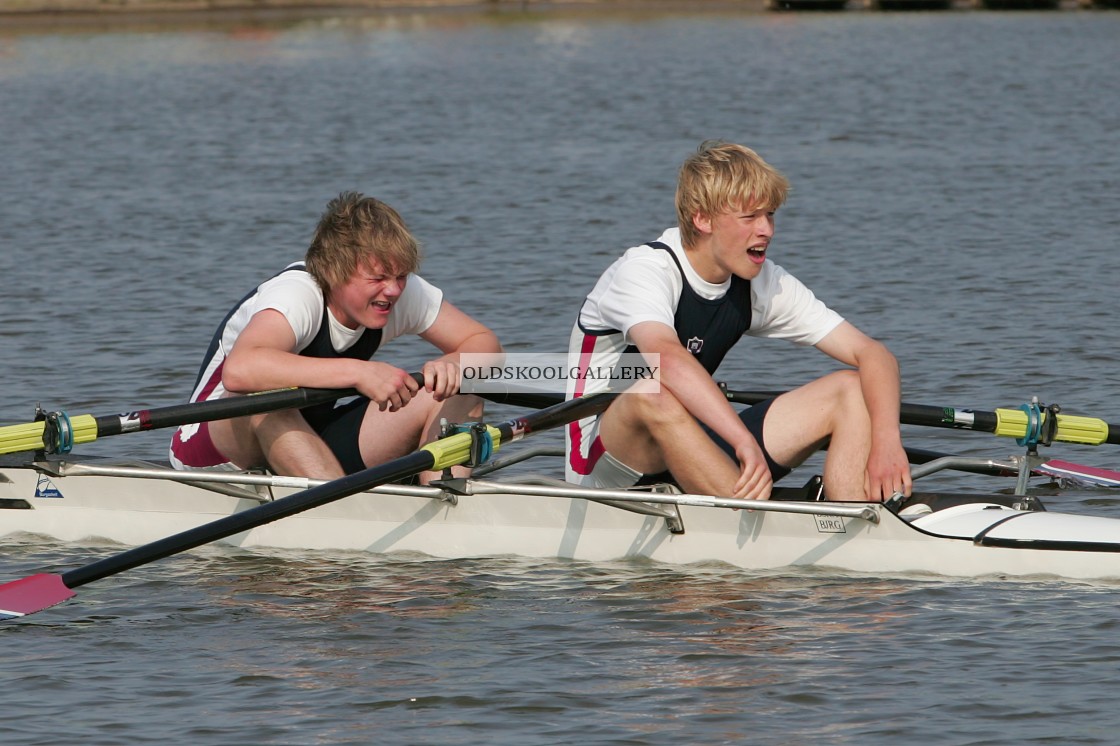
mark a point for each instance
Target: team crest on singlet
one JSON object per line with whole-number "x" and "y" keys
{"x": 695, "y": 344}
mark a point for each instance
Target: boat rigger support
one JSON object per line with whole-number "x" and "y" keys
{"x": 637, "y": 501}
{"x": 1040, "y": 431}
{"x": 866, "y": 512}
{"x": 660, "y": 501}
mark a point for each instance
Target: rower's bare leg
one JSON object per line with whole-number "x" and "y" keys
{"x": 280, "y": 441}
{"x": 801, "y": 421}
{"x": 389, "y": 435}
{"x": 654, "y": 432}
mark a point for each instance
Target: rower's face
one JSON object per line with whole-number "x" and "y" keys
{"x": 368, "y": 297}
{"x": 739, "y": 240}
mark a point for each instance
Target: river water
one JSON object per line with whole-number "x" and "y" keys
{"x": 955, "y": 193}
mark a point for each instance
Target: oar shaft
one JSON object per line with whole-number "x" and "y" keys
{"x": 1012, "y": 423}
{"x": 237, "y": 522}
{"x": 86, "y": 428}
{"x": 441, "y": 454}
{"x": 947, "y": 417}
{"x": 33, "y": 436}
{"x": 216, "y": 409}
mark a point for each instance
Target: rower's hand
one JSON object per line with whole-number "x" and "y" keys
{"x": 888, "y": 472}
{"x": 754, "y": 481}
{"x": 441, "y": 378}
{"x": 387, "y": 386}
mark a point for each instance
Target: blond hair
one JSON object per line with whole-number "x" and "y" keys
{"x": 355, "y": 230}
{"x": 720, "y": 177}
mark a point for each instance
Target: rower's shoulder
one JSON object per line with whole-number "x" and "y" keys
{"x": 646, "y": 255}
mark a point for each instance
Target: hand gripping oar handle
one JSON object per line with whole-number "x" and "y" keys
{"x": 37, "y": 592}
{"x": 1026, "y": 423}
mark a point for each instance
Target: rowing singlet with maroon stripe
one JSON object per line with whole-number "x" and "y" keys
{"x": 295, "y": 294}
{"x": 320, "y": 346}
{"x": 708, "y": 319}
{"x": 708, "y": 328}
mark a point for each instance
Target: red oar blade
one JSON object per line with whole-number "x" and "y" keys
{"x": 1088, "y": 476}
{"x": 32, "y": 594}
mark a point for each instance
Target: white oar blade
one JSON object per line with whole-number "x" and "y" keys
{"x": 32, "y": 594}
{"x": 1080, "y": 474}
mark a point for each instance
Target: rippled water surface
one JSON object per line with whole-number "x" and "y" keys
{"x": 956, "y": 180}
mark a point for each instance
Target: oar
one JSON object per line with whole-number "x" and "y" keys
{"x": 59, "y": 432}
{"x": 1012, "y": 423}
{"x": 37, "y": 592}
{"x": 1006, "y": 422}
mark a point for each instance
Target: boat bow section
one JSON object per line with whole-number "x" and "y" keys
{"x": 992, "y": 525}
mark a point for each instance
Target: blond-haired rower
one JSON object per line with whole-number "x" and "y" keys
{"x": 689, "y": 297}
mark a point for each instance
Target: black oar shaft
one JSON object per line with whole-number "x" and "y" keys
{"x": 401, "y": 468}
{"x": 1018, "y": 423}
{"x": 37, "y": 592}
{"x": 216, "y": 409}
{"x": 909, "y": 414}
{"x": 59, "y": 433}
{"x": 266, "y": 401}
{"x": 948, "y": 417}
{"x": 1073, "y": 429}
{"x": 336, "y": 489}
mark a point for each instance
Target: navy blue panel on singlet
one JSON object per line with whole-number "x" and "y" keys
{"x": 710, "y": 328}
{"x": 320, "y": 346}
{"x": 367, "y": 344}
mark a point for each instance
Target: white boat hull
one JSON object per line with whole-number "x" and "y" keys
{"x": 952, "y": 542}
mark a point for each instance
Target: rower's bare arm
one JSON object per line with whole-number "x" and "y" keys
{"x": 688, "y": 381}
{"x": 454, "y": 333}
{"x": 264, "y": 358}
{"x": 692, "y": 385}
{"x": 888, "y": 469}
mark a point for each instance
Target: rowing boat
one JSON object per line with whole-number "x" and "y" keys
{"x": 963, "y": 535}
{"x": 160, "y": 511}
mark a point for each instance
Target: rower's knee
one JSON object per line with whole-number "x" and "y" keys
{"x": 289, "y": 418}
{"x": 847, "y": 391}
{"x": 475, "y": 406}
{"x": 661, "y": 406}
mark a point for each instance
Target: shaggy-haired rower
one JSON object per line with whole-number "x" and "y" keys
{"x": 317, "y": 324}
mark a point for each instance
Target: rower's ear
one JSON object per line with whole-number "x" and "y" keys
{"x": 702, "y": 222}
